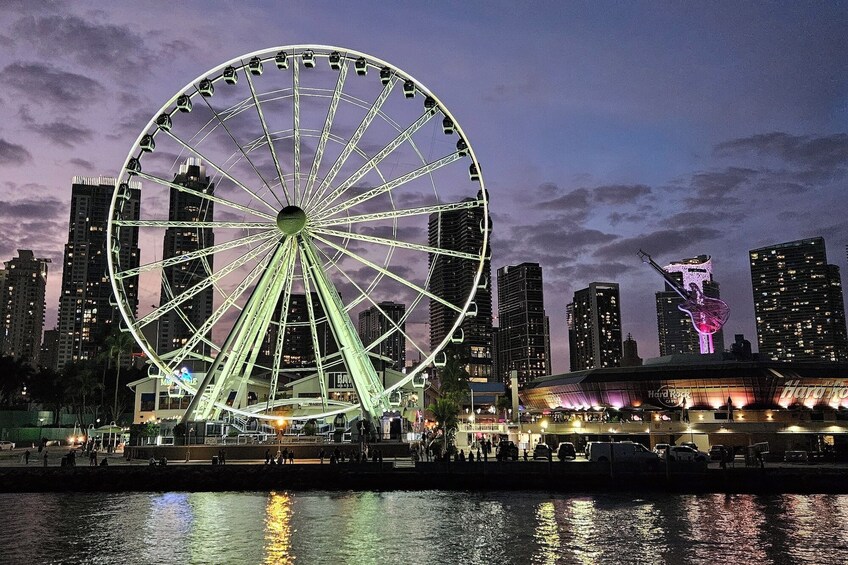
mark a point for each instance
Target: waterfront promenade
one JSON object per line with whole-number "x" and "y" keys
{"x": 403, "y": 474}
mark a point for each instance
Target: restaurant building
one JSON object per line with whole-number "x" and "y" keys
{"x": 700, "y": 398}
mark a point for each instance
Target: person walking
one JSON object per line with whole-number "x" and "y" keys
{"x": 26, "y": 457}
{"x": 267, "y": 456}
{"x": 44, "y": 456}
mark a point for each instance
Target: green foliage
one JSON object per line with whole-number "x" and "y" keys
{"x": 453, "y": 378}
{"x": 446, "y": 412}
{"x": 14, "y": 376}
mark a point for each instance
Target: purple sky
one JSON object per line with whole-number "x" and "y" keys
{"x": 681, "y": 129}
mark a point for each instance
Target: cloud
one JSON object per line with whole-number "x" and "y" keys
{"x": 660, "y": 242}
{"x": 801, "y": 150}
{"x": 81, "y": 163}
{"x": 13, "y": 154}
{"x": 619, "y": 194}
{"x": 90, "y": 44}
{"x": 51, "y": 87}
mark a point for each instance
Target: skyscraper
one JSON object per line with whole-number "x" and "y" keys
{"x": 523, "y": 333}
{"x": 298, "y": 349}
{"x": 453, "y": 281}
{"x": 86, "y": 314}
{"x": 373, "y": 324}
{"x": 594, "y": 327}
{"x": 798, "y": 302}
{"x": 24, "y": 282}
{"x": 49, "y": 356}
{"x": 177, "y": 327}
{"x": 674, "y": 327}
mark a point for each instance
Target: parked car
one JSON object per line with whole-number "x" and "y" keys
{"x": 507, "y": 450}
{"x": 6, "y": 445}
{"x": 660, "y": 448}
{"x": 720, "y": 452}
{"x": 542, "y": 451}
{"x": 796, "y": 456}
{"x": 691, "y": 444}
{"x": 619, "y": 451}
{"x": 566, "y": 451}
{"x": 685, "y": 453}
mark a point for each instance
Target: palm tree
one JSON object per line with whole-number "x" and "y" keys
{"x": 453, "y": 378}
{"x": 118, "y": 343}
{"x": 446, "y": 410}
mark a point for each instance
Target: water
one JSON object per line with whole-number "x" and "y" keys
{"x": 431, "y": 527}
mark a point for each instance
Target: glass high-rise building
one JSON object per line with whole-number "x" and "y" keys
{"x": 594, "y": 327}
{"x": 798, "y": 302}
{"x": 524, "y": 343}
{"x": 22, "y": 289}
{"x": 674, "y": 328}
{"x": 177, "y": 327}
{"x": 86, "y": 313}
{"x": 373, "y": 324}
{"x": 453, "y": 280}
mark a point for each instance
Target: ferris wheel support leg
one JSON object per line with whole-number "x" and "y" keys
{"x": 249, "y": 327}
{"x": 365, "y": 380}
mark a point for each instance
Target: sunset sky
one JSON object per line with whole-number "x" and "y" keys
{"x": 602, "y": 128}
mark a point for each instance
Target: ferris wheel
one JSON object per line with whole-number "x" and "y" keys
{"x": 281, "y": 194}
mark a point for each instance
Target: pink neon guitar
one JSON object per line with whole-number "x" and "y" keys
{"x": 708, "y": 314}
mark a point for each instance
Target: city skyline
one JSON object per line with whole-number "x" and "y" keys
{"x": 705, "y": 133}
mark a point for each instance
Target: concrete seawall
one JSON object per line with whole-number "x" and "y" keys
{"x": 555, "y": 477}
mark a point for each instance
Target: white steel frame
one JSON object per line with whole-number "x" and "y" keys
{"x": 277, "y": 256}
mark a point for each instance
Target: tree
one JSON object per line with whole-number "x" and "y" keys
{"x": 48, "y": 388}
{"x": 504, "y": 403}
{"x": 446, "y": 412}
{"x": 14, "y": 376}
{"x": 83, "y": 385}
{"x": 453, "y": 378}
{"x": 118, "y": 344}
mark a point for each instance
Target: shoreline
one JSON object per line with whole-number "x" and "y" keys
{"x": 492, "y": 476}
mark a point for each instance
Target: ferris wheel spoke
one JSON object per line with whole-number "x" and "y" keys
{"x": 392, "y": 184}
{"x": 366, "y": 296}
{"x": 247, "y": 240}
{"x": 397, "y": 243}
{"x": 199, "y": 225}
{"x": 202, "y": 285}
{"x": 313, "y": 327}
{"x": 204, "y": 196}
{"x": 388, "y": 273}
{"x": 325, "y": 135}
{"x": 357, "y": 135}
{"x": 392, "y": 214}
{"x": 228, "y": 303}
{"x": 376, "y": 159}
{"x": 281, "y": 337}
{"x": 271, "y": 147}
{"x": 241, "y": 149}
{"x": 215, "y": 166}
{"x": 296, "y": 128}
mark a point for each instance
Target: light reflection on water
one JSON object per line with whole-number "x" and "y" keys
{"x": 422, "y": 527}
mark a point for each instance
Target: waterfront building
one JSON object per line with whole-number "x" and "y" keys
{"x": 452, "y": 279}
{"x": 674, "y": 327}
{"x": 524, "y": 343}
{"x": 594, "y": 327}
{"x": 49, "y": 356}
{"x": 86, "y": 313}
{"x": 22, "y": 289}
{"x": 705, "y": 399}
{"x": 798, "y": 303}
{"x": 378, "y": 320}
{"x": 177, "y": 326}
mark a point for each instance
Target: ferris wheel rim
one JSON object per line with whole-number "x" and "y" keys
{"x": 322, "y": 50}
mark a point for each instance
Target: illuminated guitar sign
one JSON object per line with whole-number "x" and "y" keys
{"x": 708, "y": 315}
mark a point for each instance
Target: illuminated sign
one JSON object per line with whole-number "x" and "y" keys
{"x": 340, "y": 381}
{"x": 794, "y": 390}
{"x": 671, "y": 397}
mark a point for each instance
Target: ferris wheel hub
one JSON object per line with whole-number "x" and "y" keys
{"x": 291, "y": 220}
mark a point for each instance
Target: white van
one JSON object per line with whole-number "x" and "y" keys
{"x": 618, "y": 451}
